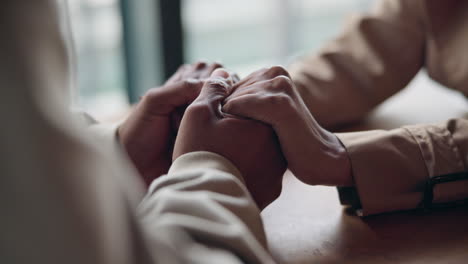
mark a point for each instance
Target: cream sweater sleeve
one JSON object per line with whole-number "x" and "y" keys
{"x": 204, "y": 213}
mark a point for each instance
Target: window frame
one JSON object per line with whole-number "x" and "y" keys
{"x": 165, "y": 33}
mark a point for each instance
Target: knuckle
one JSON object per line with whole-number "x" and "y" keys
{"x": 199, "y": 65}
{"x": 282, "y": 83}
{"x": 278, "y": 71}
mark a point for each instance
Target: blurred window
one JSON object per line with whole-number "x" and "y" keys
{"x": 243, "y": 34}
{"x": 247, "y": 34}
{"x": 97, "y": 35}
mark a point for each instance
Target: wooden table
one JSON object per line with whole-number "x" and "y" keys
{"x": 308, "y": 225}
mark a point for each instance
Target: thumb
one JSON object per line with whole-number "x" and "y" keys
{"x": 163, "y": 100}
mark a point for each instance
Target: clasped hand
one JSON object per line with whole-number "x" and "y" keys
{"x": 256, "y": 123}
{"x": 314, "y": 155}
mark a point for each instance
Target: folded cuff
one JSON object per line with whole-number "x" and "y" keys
{"x": 441, "y": 157}
{"x": 388, "y": 170}
{"x": 391, "y": 168}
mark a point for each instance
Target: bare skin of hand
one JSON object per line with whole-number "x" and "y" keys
{"x": 250, "y": 145}
{"x": 148, "y": 134}
{"x": 314, "y": 155}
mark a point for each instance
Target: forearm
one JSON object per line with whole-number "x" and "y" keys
{"x": 375, "y": 56}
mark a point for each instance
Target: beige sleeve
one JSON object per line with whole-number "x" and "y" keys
{"x": 391, "y": 168}
{"x": 64, "y": 192}
{"x": 375, "y": 56}
{"x": 204, "y": 213}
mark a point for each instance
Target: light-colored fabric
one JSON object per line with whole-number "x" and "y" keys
{"x": 69, "y": 195}
{"x": 374, "y": 57}
{"x": 195, "y": 160}
{"x": 203, "y": 197}
{"x": 391, "y": 168}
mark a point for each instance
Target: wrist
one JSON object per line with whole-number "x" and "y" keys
{"x": 333, "y": 167}
{"x": 343, "y": 172}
